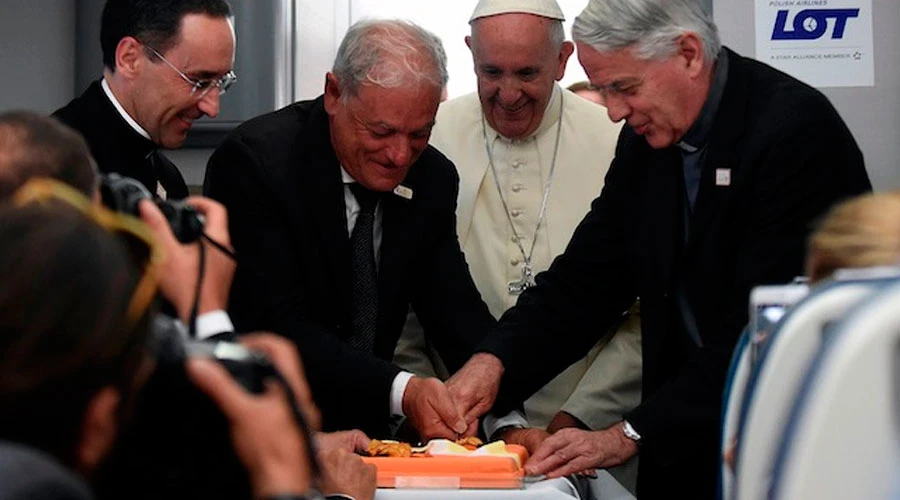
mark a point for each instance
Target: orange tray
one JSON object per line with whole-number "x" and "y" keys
{"x": 451, "y": 472}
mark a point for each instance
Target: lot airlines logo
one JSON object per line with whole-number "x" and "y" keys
{"x": 812, "y": 24}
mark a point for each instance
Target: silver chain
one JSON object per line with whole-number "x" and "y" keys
{"x": 487, "y": 147}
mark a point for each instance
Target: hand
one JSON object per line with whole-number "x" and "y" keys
{"x": 283, "y": 354}
{"x": 475, "y": 387}
{"x": 430, "y": 409}
{"x": 263, "y": 431}
{"x": 178, "y": 276}
{"x": 354, "y": 441}
{"x": 346, "y": 474}
{"x": 563, "y": 420}
{"x": 573, "y": 450}
{"x": 530, "y": 438}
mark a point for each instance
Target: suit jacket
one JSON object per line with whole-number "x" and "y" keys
{"x": 280, "y": 179}
{"x": 116, "y": 146}
{"x": 789, "y": 156}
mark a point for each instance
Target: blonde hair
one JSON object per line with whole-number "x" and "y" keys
{"x": 861, "y": 232}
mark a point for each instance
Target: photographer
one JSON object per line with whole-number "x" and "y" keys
{"x": 67, "y": 311}
{"x": 73, "y": 356}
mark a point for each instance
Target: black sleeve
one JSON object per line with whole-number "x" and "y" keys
{"x": 800, "y": 166}
{"x": 453, "y": 315}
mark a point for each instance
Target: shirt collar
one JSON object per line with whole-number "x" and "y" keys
{"x": 698, "y": 134}
{"x": 551, "y": 115}
{"x": 346, "y": 177}
{"x": 125, "y": 116}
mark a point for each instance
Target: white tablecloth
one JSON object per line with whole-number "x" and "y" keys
{"x": 604, "y": 487}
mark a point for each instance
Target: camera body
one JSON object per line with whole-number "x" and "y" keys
{"x": 177, "y": 444}
{"x": 124, "y": 193}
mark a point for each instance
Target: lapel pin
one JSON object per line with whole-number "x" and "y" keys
{"x": 403, "y": 191}
{"x": 723, "y": 177}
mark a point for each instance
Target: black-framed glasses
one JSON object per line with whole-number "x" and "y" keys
{"x": 199, "y": 88}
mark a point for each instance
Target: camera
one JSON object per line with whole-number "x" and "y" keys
{"x": 124, "y": 193}
{"x": 177, "y": 443}
{"x": 172, "y": 347}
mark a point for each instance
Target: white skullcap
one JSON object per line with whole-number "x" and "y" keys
{"x": 544, "y": 8}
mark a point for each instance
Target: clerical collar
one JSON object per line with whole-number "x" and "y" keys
{"x": 125, "y": 116}
{"x": 551, "y": 116}
{"x": 698, "y": 134}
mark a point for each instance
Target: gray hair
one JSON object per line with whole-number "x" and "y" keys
{"x": 650, "y": 27}
{"x": 557, "y": 34}
{"x": 389, "y": 54}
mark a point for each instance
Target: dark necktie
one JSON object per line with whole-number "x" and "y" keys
{"x": 365, "y": 282}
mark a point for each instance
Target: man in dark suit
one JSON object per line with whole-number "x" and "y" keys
{"x": 342, "y": 217}
{"x": 165, "y": 65}
{"x": 722, "y": 166}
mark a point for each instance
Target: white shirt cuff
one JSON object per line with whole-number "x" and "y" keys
{"x": 492, "y": 424}
{"x": 398, "y": 387}
{"x": 212, "y": 323}
{"x": 629, "y": 431}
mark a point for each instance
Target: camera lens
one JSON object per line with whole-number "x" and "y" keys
{"x": 123, "y": 193}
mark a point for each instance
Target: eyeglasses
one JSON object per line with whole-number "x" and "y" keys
{"x": 199, "y": 88}
{"x": 626, "y": 88}
{"x": 137, "y": 236}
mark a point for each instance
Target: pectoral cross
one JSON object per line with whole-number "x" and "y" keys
{"x": 527, "y": 281}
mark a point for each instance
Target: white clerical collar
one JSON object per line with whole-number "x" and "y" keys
{"x": 125, "y": 116}
{"x": 551, "y": 115}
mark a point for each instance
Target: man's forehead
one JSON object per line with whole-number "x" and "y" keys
{"x": 376, "y": 105}
{"x": 206, "y": 44}
{"x": 506, "y": 40}
{"x": 512, "y": 26}
{"x": 610, "y": 66}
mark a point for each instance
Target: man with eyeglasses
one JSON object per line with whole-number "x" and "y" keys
{"x": 721, "y": 167}
{"x": 166, "y": 63}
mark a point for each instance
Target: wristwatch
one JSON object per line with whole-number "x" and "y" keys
{"x": 630, "y": 433}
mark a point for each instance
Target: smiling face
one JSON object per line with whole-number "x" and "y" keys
{"x": 516, "y": 65}
{"x": 158, "y": 98}
{"x": 659, "y": 99}
{"x": 378, "y": 133}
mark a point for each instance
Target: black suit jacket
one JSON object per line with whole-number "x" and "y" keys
{"x": 281, "y": 182}
{"x": 790, "y": 157}
{"x": 116, "y": 146}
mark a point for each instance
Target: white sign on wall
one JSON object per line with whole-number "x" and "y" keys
{"x": 825, "y": 43}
